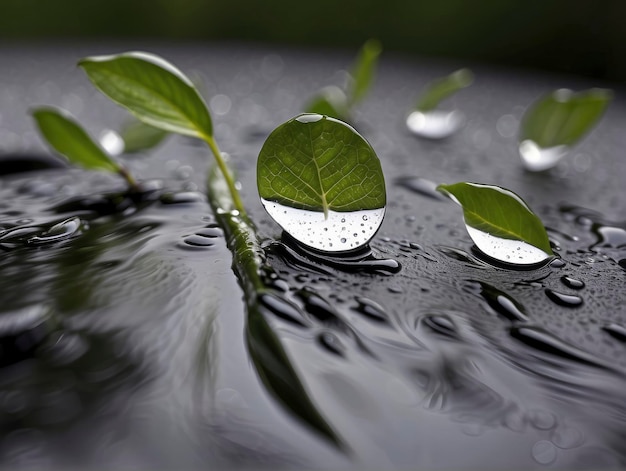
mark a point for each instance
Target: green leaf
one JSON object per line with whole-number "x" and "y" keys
{"x": 139, "y": 136}
{"x": 499, "y": 213}
{"x": 363, "y": 70}
{"x": 330, "y": 101}
{"x": 440, "y": 89}
{"x": 319, "y": 163}
{"x": 68, "y": 138}
{"x": 563, "y": 117}
{"x": 153, "y": 90}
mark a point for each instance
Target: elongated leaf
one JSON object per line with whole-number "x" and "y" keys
{"x": 69, "y": 139}
{"x": 440, "y": 89}
{"x": 318, "y": 163}
{"x": 364, "y": 70}
{"x": 153, "y": 90}
{"x": 563, "y": 117}
{"x": 139, "y": 136}
{"x": 499, "y": 213}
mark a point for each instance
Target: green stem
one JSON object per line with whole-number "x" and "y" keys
{"x": 123, "y": 171}
{"x": 248, "y": 256}
{"x": 228, "y": 178}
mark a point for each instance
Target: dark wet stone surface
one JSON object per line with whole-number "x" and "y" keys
{"x": 141, "y": 353}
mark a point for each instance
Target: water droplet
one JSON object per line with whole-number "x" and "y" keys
{"x": 182, "y": 198}
{"x": 422, "y": 186}
{"x": 566, "y": 300}
{"x": 435, "y": 124}
{"x": 60, "y": 231}
{"x": 537, "y": 159}
{"x": 331, "y": 343}
{"x": 609, "y": 237}
{"x": 502, "y": 303}
{"x": 544, "y": 452}
{"x": 572, "y": 283}
{"x": 567, "y": 436}
{"x": 371, "y": 310}
{"x": 220, "y": 104}
{"x": 329, "y": 234}
{"x": 21, "y": 332}
{"x": 441, "y": 324}
{"x": 282, "y": 308}
{"x": 509, "y": 251}
{"x": 198, "y": 241}
{"x": 616, "y": 330}
{"x": 557, "y": 263}
{"x": 541, "y": 340}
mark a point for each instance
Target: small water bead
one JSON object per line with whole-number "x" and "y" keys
{"x": 572, "y": 283}
{"x": 544, "y": 452}
{"x": 332, "y": 234}
{"x": 186, "y": 197}
{"x": 196, "y": 240}
{"x": 609, "y": 237}
{"x": 542, "y": 340}
{"x": 562, "y": 299}
{"x": 371, "y": 310}
{"x": 502, "y": 303}
{"x": 331, "y": 343}
{"x": 60, "y": 231}
{"x": 441, "y": 324}
{"x": 434, "y": 124}
{"x": 617, "y": 331}
{"x": 537, "y": 159}
{"x": 557, "y": 263}
{"x": 421, "y": 186}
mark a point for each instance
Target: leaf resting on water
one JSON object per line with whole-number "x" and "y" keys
{"x": 153, "y": 90}
{"x": 563, "y": 117}
{"x": 319, "y": 163}
{"x": 498, "y": 212}
{"x": 69, "y": 139}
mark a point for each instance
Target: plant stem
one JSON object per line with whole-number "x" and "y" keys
{"x": 228, "y": 177}
{"x": 248, "y": 256}
{"x": 123, "y": 171}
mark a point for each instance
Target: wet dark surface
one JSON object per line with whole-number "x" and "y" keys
{"x": 125, "y": 341}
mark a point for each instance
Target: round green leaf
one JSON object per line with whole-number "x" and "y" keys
{"x": 563, "y": 117}
{"x": 69, "y": 139}
{"x": 318, "y": 163}
{"x": 153, "y": 90}
{"x": 499, "y": 213}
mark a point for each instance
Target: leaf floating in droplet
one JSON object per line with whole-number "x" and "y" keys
{"x": 153, "y": 90}
{"x": 500, "y": 223}
{"x": 69, "y": 139}
{"x": 429, "y": 122}
{"x": 557, "y": 121}
{"x": 322, "y": 183}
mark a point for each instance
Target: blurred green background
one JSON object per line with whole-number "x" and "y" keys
{"x": 573, "y": 36}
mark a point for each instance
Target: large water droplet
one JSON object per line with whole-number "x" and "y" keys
{"x": 435, "y": 124}
{"x": 537, "y": 159}
{"x": 507, "y": 250}
{"x": 335, "y": 233}
{"x": 562, "y": 299}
